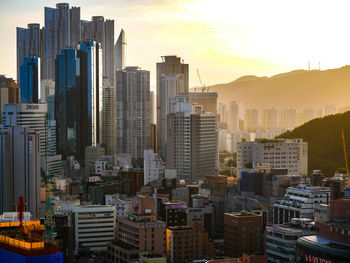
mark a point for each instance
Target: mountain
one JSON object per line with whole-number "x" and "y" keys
{"x": 325, "y": 148}
{"x": 299, "y": 89}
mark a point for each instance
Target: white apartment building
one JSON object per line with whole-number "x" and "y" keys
{"x": 153, "y": 166}
{"x": 32, "y": 116}
{"x": 94, "y": 226}
{"x": 288, "y": 154}
{"x": 300, "y": 202}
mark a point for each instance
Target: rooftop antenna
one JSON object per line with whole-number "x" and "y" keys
{"x": 308, "y": 66}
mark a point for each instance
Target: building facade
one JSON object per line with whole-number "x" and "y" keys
{"x": 133, "y": 112}
{"x": 32, "y": 116}
{"x": 300, "y": 202}
{"x": 30, "y": 80}
{"x": 169, "y": 65}
{"x": 19, "y": 169}
{"x": 288, "y": 154}
{"x": 243, "y": 234}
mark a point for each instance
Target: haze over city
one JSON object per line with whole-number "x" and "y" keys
{"x": 174, "y": 131}
{"x": 224, "y": 39}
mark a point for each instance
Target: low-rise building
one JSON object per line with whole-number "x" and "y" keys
{"x": 281, "y": 239}
{"x": 93, "y": 227}
{"x": 243, "y": 234}
{"x": 300, "y": 202}
{"x": 139, "y": 232}
{"x": 185, "y": 243}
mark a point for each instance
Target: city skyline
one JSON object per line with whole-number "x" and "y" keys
{"x": 224, "y": 41}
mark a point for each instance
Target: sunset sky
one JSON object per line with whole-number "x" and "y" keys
{"x": 224, "y": 39}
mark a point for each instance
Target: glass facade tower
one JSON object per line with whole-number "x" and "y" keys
{"x": 30, "y": 80}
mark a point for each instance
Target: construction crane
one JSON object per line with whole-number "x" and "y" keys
{"x": 346, "y": 161}
{"x": 200, "y": 80}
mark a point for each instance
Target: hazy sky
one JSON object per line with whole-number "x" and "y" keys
{"x": 224, "y": 39}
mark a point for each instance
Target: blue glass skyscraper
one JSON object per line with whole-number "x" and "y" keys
{"x": 30, "y": 80}
{"x": 78, "y": 104}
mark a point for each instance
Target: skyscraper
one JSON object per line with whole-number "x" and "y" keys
{"x": 120, "y": 51}
{"x": 133, "y": 112}
{"x": 30, "y": 80}
{"x": 269, "y": 119}
{"x": 78, "y": 99}
{"x": 192, "y": 144}
{"x": 29, "y": 44}
{"x": 251, "y": 120}
{"x": 204, "y": 144}
{"x": 234, "y": 116}
{"x": 108, "y": 118}
{"x": 169, "y": 65}
{"x": 62, "y": 30}
{"x": 179, "y": 138}
{"x": 19, "y": 169}
{"x": 101, "y": 31}
{"x": 170, "y": 86}
{"x": 32, "y": 116}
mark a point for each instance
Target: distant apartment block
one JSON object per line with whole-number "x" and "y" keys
{"x": 288, "y": 154}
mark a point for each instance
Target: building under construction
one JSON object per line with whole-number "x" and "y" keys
{"x": 22, "y": 242}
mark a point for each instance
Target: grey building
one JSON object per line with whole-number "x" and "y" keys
{"x": 169, "y": 65}
{"x": 120, "y": 51}
{"x": 191, "y": 141}
{"x": 29, "y": 44}
{"x": 101, "y": 31}
{"x": 32, "y": 116}
{"x": 19, "y": 169}
{"x": 62, "y": 30}
{"x": 108, "y": 118}
{"x": 133, "y": 112}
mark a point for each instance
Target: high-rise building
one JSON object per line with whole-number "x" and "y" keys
{"x": 288, "y": 154}
{"x": 78, "y": 99}
{"x": 101, "y": 31}
{"x": 62, "y": 30}
{"x": 47, "y": 88}
{"x": 170, "y": 86}
{"x": 204, "y": 144}
{"x": 179, "y": 139}
{"x": 133, "y": 112}
{"x": 9, "y": 93}
{"x": 169, "y": 65}
{"x": 120, "y": 52}
{"x": 30, "y": 80}
{"x": 19, "y": 169}
{"x": 153, "y": 166}
{"x": 287, "y": 119}
{"x": 234, "y": 116}
{"x": 243, "y": 234}
{"x": 208, "y": 100}
{"x": 251, "y": 120}
{"x": 108, "y": 118}
{"x": 29, "y": 44}
{"x": 185, "y": 243}
{"x": 191, "y": 140}
{"x": 269, "y": 119}
{"x": 32, "y": 116}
